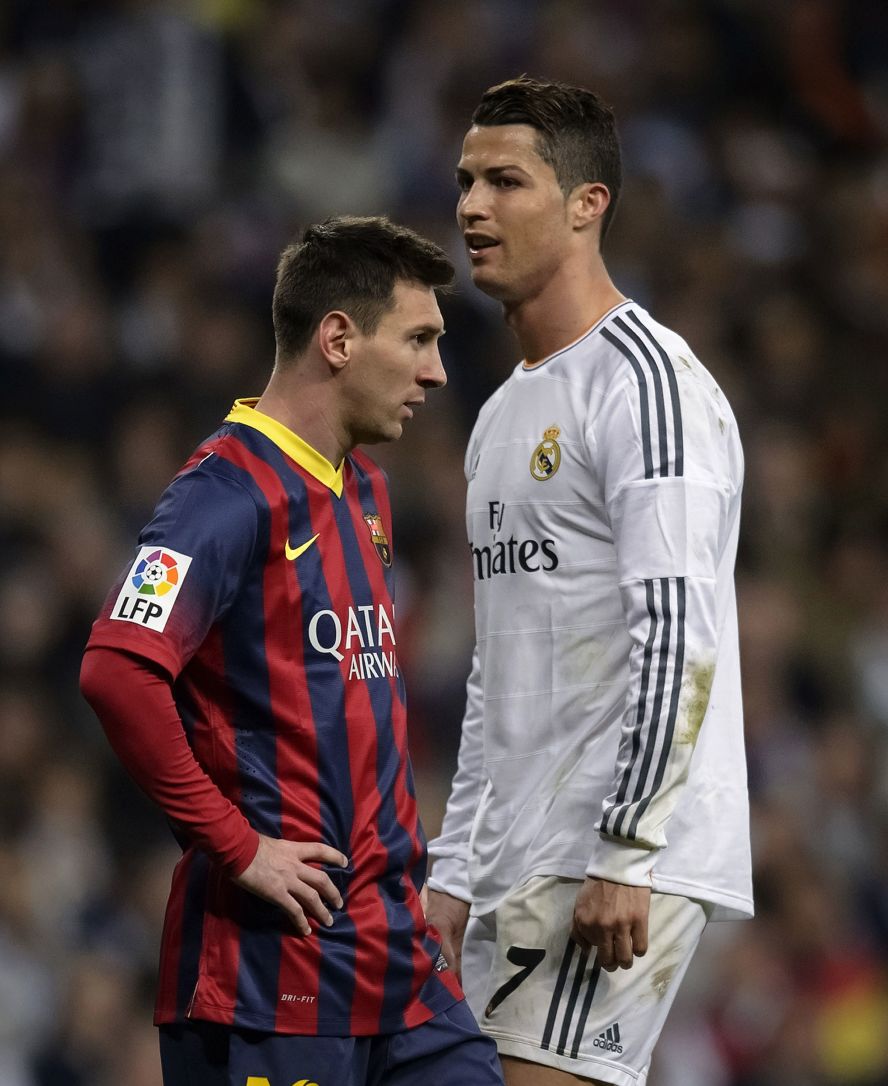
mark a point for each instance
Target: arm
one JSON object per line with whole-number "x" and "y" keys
{"x": 666, "y": 493}
{"x": 133, "y": 699}
{"x": 449, "y": 895}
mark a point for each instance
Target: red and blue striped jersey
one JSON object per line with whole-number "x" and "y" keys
{"x": 263, "y": 586}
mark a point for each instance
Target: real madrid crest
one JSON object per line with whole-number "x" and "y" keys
{"x": 546, "y": 457}
{"x": 380, "y": 539}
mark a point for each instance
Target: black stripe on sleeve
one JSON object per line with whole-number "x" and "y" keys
{"x": 662, "y": 667}
{"x": 643, "y": 399}
{"x": 673, "y": 702}
{"x": 658, "y": 393}
{"x": 642, "y": 706}
{"x": 673, "y": 392}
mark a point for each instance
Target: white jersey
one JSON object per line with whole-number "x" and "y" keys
{"x": 603, "y": 731}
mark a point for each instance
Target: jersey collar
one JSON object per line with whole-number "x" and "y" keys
{"x": 244, "y": 412}
{"x": 530, "y": 367}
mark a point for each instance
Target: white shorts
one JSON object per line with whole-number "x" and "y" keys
{"x": 543, "y": 999}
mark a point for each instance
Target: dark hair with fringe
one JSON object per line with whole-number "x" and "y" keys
{"x": 577, "y": 131}
{"x": 352, "y": 264}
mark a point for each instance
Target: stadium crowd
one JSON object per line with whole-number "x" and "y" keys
{"x": 154, "y": 159}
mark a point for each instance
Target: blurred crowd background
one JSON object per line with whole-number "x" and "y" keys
{"x": 154, "y": 159}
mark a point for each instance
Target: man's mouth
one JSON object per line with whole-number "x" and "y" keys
{"x": 477, "y": 243}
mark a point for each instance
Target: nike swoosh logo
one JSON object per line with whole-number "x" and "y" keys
{"x": 294, "y": 552}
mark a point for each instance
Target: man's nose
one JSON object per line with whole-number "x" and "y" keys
{"x": 472, "y": 205}
{"x": 432, "y": 375}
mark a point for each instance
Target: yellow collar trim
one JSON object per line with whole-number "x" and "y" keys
{"x": 244, "y": 412}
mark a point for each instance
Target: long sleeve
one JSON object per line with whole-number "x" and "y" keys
{"x": 450, "y": 850}
{"x": 668, "y": 482}
{"x": 133, "y": 700}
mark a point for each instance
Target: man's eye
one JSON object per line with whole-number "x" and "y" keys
{"x": 506, "y": 182}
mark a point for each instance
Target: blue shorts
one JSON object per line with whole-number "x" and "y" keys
{"x": 447, "y": 1048}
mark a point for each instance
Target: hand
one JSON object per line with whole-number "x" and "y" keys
{"x": 280, "y": 873}
{"x": 450, "y": 916}
{"x": 613, "y": 918}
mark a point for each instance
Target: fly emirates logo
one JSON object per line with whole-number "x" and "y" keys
{"x": 366, "y": 637}
{"x": 511, "y": 555}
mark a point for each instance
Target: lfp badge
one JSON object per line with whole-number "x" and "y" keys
{"x": 150, "y": 588}
{"x": 156, "y": 574}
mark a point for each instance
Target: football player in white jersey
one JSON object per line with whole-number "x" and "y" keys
{"x": 599, "y": 815}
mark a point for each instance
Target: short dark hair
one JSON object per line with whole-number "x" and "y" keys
{"x": 352, "y": 264}
{"x": 577, "y": 131}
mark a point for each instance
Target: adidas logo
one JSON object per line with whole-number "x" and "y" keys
{"x": 609, "y": 1040}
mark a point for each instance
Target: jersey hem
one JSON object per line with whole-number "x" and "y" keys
{"x": 728, "y": 906}
{"x": 205, "y": 1011}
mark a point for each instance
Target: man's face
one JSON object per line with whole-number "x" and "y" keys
{"x": 511, "y": 211}
{"x": 390, "y": 370}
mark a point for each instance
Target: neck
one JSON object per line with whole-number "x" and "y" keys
{"x": 566, "y": 307}
{"x": 299, "y": 402}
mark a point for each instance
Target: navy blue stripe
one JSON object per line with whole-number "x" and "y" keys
{"x": 393, "y": 837}
{"x": 193, "y": 907}
{"x": 651, "y": 741}
{"x": 673, "y": 705}
{"x": 658, "y": 395}
{"x": 678, "y": 428}
{"x": 254, "y": 727}
{"x": 642, "y": 706}
{"x": 643, "y": 400}
{"x": 556, "y": 995}
{"x": 572, "y": 1001}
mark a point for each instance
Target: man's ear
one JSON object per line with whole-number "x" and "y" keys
{"x": 589, "y": 202}
{"x": 336, "y": 334}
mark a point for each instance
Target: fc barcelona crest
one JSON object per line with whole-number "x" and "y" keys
{"x": 380, "y": 539}
{"x": 546, "y": 457}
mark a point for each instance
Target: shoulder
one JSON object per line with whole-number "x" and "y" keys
{"x": 209, "y": 494}
{"x": 658, "y": 366}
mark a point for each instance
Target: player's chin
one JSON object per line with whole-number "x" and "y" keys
{"x": 390, "y": 432}
{"x": 487, "y": 280}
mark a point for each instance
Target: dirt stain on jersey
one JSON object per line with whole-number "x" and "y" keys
{"x": 695, "y": 698}
{"x": 661, "y": 980}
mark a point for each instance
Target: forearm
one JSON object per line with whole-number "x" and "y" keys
{"x": 449, "y": 851}
{"x": 134, "y": 703}
{"x": 671, "y": 671}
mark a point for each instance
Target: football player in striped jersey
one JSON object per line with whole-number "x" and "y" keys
{"x": 599, "y": 815}
{"x": 245, "y": 670}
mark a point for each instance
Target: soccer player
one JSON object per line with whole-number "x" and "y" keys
{"x": 604, "y": 714}
{"x": 245, "y": 670}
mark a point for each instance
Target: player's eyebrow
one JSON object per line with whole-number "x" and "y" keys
{"x": 462, "y": 174}
{"x": 435, "y": 330}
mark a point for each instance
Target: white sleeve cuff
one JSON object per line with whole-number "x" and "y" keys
{"x": 450, "y": 876}
{"x": 617, "y": 861}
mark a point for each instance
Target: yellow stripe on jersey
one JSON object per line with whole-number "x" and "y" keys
{"x": 244, "y": 411}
